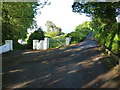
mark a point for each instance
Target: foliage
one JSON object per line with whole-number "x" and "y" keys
{"x": 52, "y": 29}
{"x": 80, "y": 32}
{"x": 18, "y": 46}
{"x": 50, "y": 25}
{"x": 51, "y": 34}
{"x": 57, "y": 41}
{"x": 39, "y": 35}
{"x": 111, "y": 39}
{"x": 16, "y": 18}
{"x": 105, "y": 11}
{"x": 104, "y": 25}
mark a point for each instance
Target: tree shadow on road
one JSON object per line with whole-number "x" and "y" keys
{"x": 70, "y": 67}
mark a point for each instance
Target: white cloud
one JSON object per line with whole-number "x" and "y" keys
{"x": 60, "y": 13}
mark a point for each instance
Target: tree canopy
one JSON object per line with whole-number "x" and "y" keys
{"x": 104, "y": 11}
{"x": 52, "y": 29}
{"x": 104, "y": 25}
{"x": 16, "y": 18}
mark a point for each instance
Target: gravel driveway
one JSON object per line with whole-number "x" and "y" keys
{"x": 75, "y": 66}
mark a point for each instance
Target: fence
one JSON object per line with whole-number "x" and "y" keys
{"x": 50, "y": 43}
{"x": 57, "y": 42}
{"x": 7, "y": 47}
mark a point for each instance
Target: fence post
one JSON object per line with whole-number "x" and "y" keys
{"x": 68, "y": 39}
{"x": 38, "y": 45}
{"x": 10, "y": 44}
{"x": 46, "y": 43}
{"x": 41, "y": 44}
{"x": 35, "y": 44}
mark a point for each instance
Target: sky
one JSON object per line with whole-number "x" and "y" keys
{"x": 60, "y": 13}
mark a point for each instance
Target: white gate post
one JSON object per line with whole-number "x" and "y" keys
{"x": 46, "y": 43}
{"x": 35, "y": 44}
{"x": 68, "y": 39}
{"x": 38, "y": 45}
{"x": 41, "y": 44}
{"x": 10, "y": 44}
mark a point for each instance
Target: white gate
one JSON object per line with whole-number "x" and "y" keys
{"x": 50, "y": 43}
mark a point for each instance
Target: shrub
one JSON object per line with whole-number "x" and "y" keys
{"x": 39, "y": 35}
{"x": 81, "y": 31}
{"x": 109, "y": 37}
{"x": 77, "y": 36}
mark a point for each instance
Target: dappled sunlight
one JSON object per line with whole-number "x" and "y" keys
{"x": 27, "y": 83}
{"x": 63, "y": 68}
{"x": 73, "y": 49}
{"x": 35, "y": 59}
{"x": 73, "y": 71}
{"x": 111, "y": 84}
{"x": 29, "y": 52}
{"x": 19, "y": 70}
{"x": 90, "y": 61}
{"x": 85, "y": 64}
{"x": 60, "y": 43}
{"x": 63, "y": 60}
{"x": 91, "y": 83}
{"x": 67, "y": 67}
{"x": 45, "y": 76}
{"x": 14, "y": 71}
{"x": 55, "y": 81}
{"x": 112, "y": 73}
{"x": 73, "y": 55}
{"x": 77, "y": 66}
{"x": 43, "y": 55}
{"x": 44, "y": 62}
{"x": 69, "y": 50}
{"x": 110, "y": 79}
{"x": 21, "y": 85}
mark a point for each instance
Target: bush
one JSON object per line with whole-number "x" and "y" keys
{"x": 81, "y": 31}
{"x": 39, "y": 35}
{"x": 77, "y": 36}
{"x": 18, "y": 46}
{"x": 53, "y": 34}
{"x": 109, "y": 37}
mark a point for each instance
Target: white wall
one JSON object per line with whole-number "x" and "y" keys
{"x": 7, "y": 47}
{"x": 41, "y": 45}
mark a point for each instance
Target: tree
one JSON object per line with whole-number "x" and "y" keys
{"x": 105, "y": 11}
{"x": 38, "y": 34}
{"x": 81, "y": 31}
{"x": 52, "y": 29}
{"x": 16, "y": 18}
{"x": 104, "y": 24}
{"x": 50, "y": 26}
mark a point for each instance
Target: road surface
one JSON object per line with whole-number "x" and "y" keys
{"x": 76, "y": 66}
